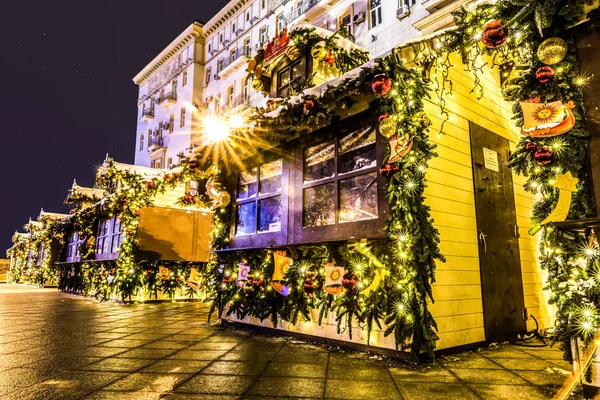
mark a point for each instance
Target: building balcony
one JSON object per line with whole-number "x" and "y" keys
{"x": 434, "y": 5}
{"x": 156, "y": 143}
{"x": 147, "y": 116}
{"x": 168, "y": 100}
{"x": 306, "y": 9}
{"x": 228, "y": 65}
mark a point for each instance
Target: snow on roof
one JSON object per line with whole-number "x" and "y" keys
{"x": 90, "y": 192}
{"x": 140, "y": 170}
{"x": 344, "y": 43}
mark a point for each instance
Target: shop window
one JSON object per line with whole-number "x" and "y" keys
{"x": 110, "y": 237}
{"x": 73, "y": 247}
{"x": 259, "y": 199}
{"x": 340, "y": 184}
{"x": 289, "y": 79}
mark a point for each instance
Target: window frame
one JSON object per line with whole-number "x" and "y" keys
{"x": 289, "y": 68}
{"x": 74, "y": 247}
{"x": 264, "y": 239}
{"x": 208, "y": 74}
{"x": 141, "y": 148}
{"x": 184, "y": 79}
{"x": 107, "y": 238}
{"x": 182, "y": 117}
{"x": 171, "y": 123}
{"x": 375, "y": 13}
{"x": 263, "y": 34}
{"x": 369, "y": 228}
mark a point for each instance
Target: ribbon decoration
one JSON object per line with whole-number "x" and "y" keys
{"x": 280, "y": 288}
{"x": 242, "y": 274}
{"x": 195, "y": 279}
{"x": 399, "y": 147}
{"x": 567, "y": 185}
{"x": 164, "y": 273}
{"x": 333, "y": 279}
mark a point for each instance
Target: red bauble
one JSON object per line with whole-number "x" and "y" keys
{"x": 531, "y": 147}
{"x": 308, "y": 105}
{"x": 493, "y": 34}
{"x": 544, "y": 74}
{"x": 227, "y": 279}
{"x": 349, "y": 282}
{"x": 309, "y": 286}
{"x": 150, "y": 184}
{"x": 258, "y": 282}
{"x": 543, "y": 156}
{"x": 381, "y": 84}
{"x": 329, "y": 58}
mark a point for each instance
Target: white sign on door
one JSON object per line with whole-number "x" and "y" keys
{"x": 490, "y": 159}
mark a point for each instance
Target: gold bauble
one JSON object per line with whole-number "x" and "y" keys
{"x": 422, "y": 119}
{"x": 258, "y": 85}
{"x": 292, "y": 52}
{"x": 319, "y": 52}
{"x": 552, "y": 51}
{"x": 387, "y": 127}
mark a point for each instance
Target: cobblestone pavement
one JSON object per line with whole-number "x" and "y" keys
{"x": 56, "y": 346}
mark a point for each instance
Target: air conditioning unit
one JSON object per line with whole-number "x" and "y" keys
{"x": 403, "y": 11}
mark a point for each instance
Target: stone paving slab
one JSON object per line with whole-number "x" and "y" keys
{"x": 57, "y": 346}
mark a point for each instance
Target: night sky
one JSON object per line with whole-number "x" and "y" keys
{"x": 68, "y": 96}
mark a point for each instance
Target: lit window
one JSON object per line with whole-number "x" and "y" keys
{"x": 288, "y": 79}
{"x": 375, "y": 8}
{"x": 264, "y": 34}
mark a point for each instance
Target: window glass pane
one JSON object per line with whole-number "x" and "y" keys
{"x": 246, "y": 219}
{"x": 270, "y": 176}
{"x": 248, "y": 185}
{"x": 296, "y": 71}
{"x": 357, "y": 150}
{"x": 318, "y": 207}
{"x": 358, "y": 198}
{"x": 270, "y": 214}
{"x": 284, "y": 77}
{"x": 318, "y": 161}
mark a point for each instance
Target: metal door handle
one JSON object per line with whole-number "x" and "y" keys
{"x": 482, "y": 241}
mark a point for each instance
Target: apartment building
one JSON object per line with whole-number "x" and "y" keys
{"x": 203, "y": 71}
{"x": 169, "y": 95}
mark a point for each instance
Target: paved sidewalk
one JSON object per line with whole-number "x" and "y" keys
{"x": 55, "y": 346}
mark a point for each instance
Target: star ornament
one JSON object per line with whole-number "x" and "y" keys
{"x": 566, "y": 182}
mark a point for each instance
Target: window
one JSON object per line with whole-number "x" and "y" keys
{"x": 247, "y": 47}
{"x": 340, "y": 180}
{"x": 196, "y": 188}
{"x": 169, "y": 162}
{"x": 233, "y": 30}
{"x": 210, "y": 47}
{"x": 246, "y": 88}
{"x": 263, "y": 3}
{"x": 141, "y": 142}
{"x": 231, "y": 95}
{"x": 248, "y": 15}
{"x": 182, "y": 117}
{"x": 259, "y": 200}
{"x": 375, "y": 8}
{"x": 171, "y": 123}
{"x": 220, "y": 65}
{"x": 408, "y": 3}
{"x": 221, "y": 37}
{"x": 183, "y": 79}
{"x": 263, "y": 34}
{"x": 281, "y": 22}
{"x": 110, "y": 236}
{"x": 208, "y": 75}
{"x": 288, "y": 79}
{"x": 157, "y": 164}
{"x": 346, "y": 22}
{"x": 74, "y": 247}
{"x": 149, "y": 137}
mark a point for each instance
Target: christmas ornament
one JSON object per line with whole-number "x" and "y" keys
{"x": 349, "y": 282}
{"x": 258, "y": 282}
{"x": 544, "y": 74}
{"x": 258, "y": 72}
{"x": 493, "y": 34}
{"x": 308, "y": 106}
{"x": 388, "y": 169}
{"x": 381, "y": 84}
{"x": 422, "y": 120}
{"x": 399, "y": 148}
{"x": 292, "y": 52}
{"x": 329, "y": 58}
{"x": 546, "y": 119}
{"x": 242, "y": 278}
{"x": 249, "y": 288}
{"x": 387, "y": 126}
{"x": 227, "y": 279}
{"x": 258, "y": 85}
{"x": 380, "y": 274}
{"x": 195, "y": 279}
{"x": 164, "y": 273}
{"x": 150, "y": 185}
{"x": 319, "y": 52}
{"x": 281, "y": 265}
{"x": 531, "y": 147}
{"x": 251, "y": 66}
{"x": 552, "y": 51}
{"x": 567, "y": 184}
{"x": 219, "y": 197}
{"x": 543, "y": 156}
{"x": 309, "y": 286}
